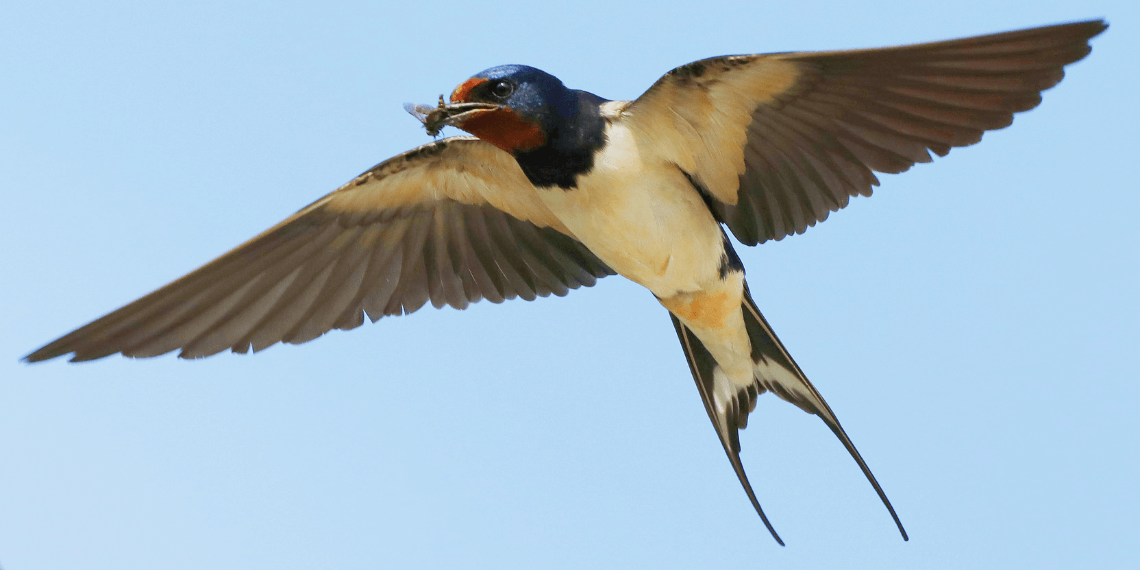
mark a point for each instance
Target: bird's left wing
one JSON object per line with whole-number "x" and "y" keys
{"x": 776, "y": 142}
{"x": 453, "y": 221}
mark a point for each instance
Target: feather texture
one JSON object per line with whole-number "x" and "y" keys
{"x": 450, "y": 223}
{"x": 786, "y": 139}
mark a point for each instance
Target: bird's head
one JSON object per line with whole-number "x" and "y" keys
{"x": 514, "y": 107}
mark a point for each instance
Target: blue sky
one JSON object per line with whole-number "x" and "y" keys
{"x": 973, "y": 324}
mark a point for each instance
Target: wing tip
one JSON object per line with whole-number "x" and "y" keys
{"x": 34, "y": 357}
{"x": 51, "y": 351}
{"x": 1095, "y": 27}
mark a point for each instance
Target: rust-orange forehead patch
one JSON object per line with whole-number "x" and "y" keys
{"x": 464, "y": 90}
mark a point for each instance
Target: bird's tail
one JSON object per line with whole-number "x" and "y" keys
{"x": 775, "y": 370}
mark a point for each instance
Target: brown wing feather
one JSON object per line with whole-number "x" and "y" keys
{"x": 779, "y": 141}
{"x": 415, "y": 228}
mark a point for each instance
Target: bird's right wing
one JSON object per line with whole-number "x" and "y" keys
{"x": 450, "y": 222}
{"x": 777, "y": 142}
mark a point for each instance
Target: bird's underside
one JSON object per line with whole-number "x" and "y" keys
{"x": 561, "y": 187}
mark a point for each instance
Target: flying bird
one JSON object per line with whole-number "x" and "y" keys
{"x": 559, "y": 187}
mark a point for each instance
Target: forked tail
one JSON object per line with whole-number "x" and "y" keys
{"x": 775, "y": 370}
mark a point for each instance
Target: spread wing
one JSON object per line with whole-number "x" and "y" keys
{"x": 450, "y": 222}
{"x": 777, "y": 142}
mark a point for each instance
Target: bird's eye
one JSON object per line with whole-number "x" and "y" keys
{"x": 503, "y": 89}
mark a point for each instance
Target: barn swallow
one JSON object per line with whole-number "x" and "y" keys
{"x": 559, "y": 187}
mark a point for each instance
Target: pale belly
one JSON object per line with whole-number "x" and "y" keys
{"x": 647, "y": 223}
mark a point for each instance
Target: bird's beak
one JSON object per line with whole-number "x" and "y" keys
{"x": 455, "y": 114}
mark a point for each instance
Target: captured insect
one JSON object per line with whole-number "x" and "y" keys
{"x": 442, "y": 115}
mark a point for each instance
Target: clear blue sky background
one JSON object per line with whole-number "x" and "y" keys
{"x": 974, "y": 324}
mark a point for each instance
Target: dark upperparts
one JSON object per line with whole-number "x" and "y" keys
{"x": 553, "y": 132}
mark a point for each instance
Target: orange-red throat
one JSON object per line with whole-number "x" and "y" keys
{"x": 502, "y": 126}
{"x": 505, "y": 129}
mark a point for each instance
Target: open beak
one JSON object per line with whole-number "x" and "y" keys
{"x": 442, "y": 115}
